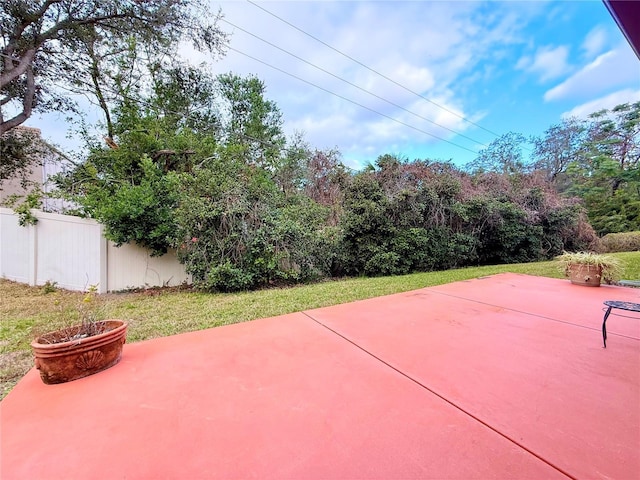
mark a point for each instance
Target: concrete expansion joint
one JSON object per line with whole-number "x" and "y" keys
{"x": 443, "y": 398}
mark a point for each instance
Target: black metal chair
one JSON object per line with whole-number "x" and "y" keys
{"x": 611, "y": 304}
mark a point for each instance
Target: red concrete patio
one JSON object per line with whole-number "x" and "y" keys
{"x": 501, "y": 377}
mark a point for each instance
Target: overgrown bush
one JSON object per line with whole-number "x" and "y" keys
{"x": 620, "y": 242}
{"x": 305, "y": 246}
{"x": 202, "y": 164}
{"x": 416, "y": 216}
{"x": 237, "y": 231}
{"x": 142, "y": 213}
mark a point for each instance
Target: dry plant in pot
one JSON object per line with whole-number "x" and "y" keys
{"x": 589, "y": 269}
{"x": 80, "y": 350}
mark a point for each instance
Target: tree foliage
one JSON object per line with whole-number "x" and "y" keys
{"x": 21, "y": 150}
{"x": 251, "y": 121}
{"x": 561, "y": 145}
{"x": 606, "y": 175}
{"x": 201, "y": 164}
{"x": 86, "y": 46}
{"x": 236, "y": 231}
{"x": 503, "y": 155}
{"x": 415, "y": 216}
{"x": 178, "y": 175}
{"x": 132, "y": 186}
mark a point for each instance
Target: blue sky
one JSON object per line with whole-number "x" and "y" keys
{"x": 506, "y": 66}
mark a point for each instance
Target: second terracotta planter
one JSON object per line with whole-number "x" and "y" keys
{"x": 586, "y": 275}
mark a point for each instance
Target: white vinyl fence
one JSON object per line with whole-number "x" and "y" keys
{"x": 73, "y": 252}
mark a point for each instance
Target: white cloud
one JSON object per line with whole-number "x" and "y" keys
{"x": 609, "y": 70}
{"x": 607, "y": 102}
{"x": 595, "y": 42}
{"x": 458, "y": 54}
{"x": 524, "y": 63}
{"x": 548, "y": 62}
{"x": 425, "y": 47}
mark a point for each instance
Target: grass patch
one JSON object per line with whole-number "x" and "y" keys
{"x": 26, "y": 312}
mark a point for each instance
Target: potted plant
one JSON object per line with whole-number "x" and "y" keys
{"x": 80, "y": 350}
{"x": 589, "y": 269}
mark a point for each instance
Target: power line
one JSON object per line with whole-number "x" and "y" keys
{"x": 354, "y": 85}
{"x": 352, "y": 101}
{"x": 143, "y": 102}
{"x": 373, "y": 70}
{"x": 183, "y": 115}
{"x": 282, "y": 149}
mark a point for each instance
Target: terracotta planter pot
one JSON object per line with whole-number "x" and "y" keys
{"x": 67, "y": 361}
{"x": 587, "y": 275}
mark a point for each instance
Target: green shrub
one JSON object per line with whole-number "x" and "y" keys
{"x": 237, "y": 231}
{"x": 620, "y": 242}
{"x": 226, "y": 278}
{"x": 143, "y": 213}
{"x": 384, "y": 263}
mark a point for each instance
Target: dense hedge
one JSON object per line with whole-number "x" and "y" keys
{"x": 417, "y": 216}
{"x": 238, "y": 226}
{"x": 620, "y": 242}
{"x": 203, "y": 166}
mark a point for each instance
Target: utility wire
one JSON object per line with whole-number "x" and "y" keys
{"x": 183, "y": 115}
{"x": 354, "y": 85}
{"x": 373, "y": 70}
{"x": 282, "y": 149}
{"x": 352, "y": 101}
{"x": 279, "y": 148}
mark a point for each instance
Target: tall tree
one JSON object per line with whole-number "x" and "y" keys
{"x": 616, "y": 135}
{"x": 50, "y": 45}
{"x": 503, "y": 155}
{"x": 561, "y": 144}
{"x": 607, "y": 177}
{"x": 132, "y": 188}
{"x": 252, "y": 122}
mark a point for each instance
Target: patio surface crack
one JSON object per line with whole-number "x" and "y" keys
{"x": 443, "y": 398}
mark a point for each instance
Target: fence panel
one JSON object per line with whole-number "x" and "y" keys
{"x": 130, "y": 266}
{"x": 15, "y": 246}
{"x": 72, "y": 252}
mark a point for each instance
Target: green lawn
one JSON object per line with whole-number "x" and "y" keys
{"x": 27, "y": 311}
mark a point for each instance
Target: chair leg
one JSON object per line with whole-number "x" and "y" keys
{"x": 604, "y": 326}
